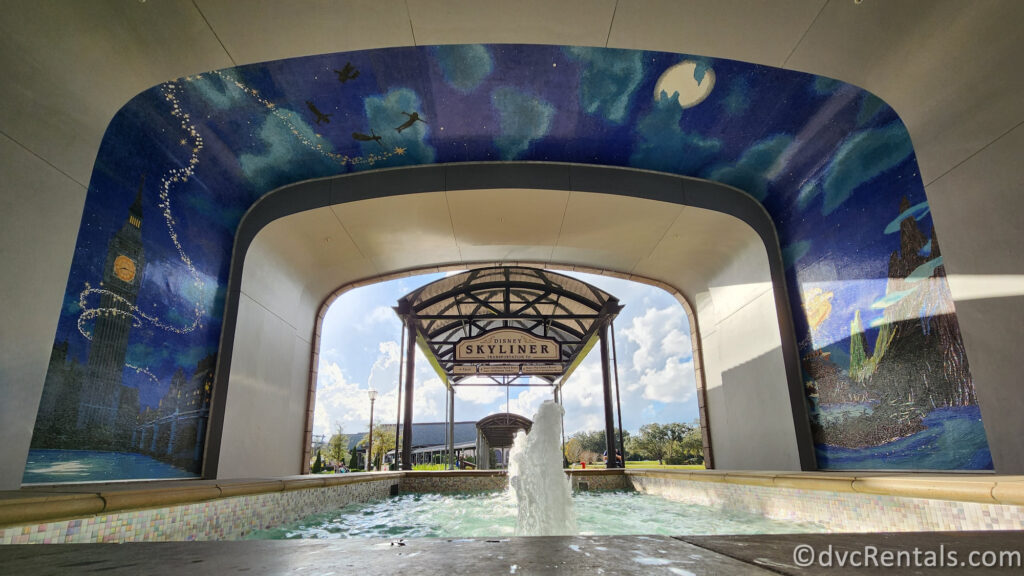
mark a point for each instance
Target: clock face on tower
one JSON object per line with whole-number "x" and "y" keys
{"x": 124, "y": 268}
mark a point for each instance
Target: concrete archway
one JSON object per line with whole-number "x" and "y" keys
{"x": 714, "y": 248}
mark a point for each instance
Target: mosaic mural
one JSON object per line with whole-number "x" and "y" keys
{"x": 128, "y": 387}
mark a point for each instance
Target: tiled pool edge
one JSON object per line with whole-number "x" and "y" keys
{"x": 225, "y": 518}
{"x": 229, "y": 509}
{"x": 838, "y": 511}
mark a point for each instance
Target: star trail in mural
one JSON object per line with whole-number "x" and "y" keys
{"x": 886, "y": 374}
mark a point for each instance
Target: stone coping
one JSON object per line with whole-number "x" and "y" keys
{"x": 65, "y": 501}
{"x": 982, "y": 488}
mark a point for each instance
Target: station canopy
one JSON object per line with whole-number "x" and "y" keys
{"x": 500, "y": 429}
{"x": 494, "y": 326}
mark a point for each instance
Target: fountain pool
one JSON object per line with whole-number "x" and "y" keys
{"x": 493, "y": 515}
{"x": 538, "y": 502}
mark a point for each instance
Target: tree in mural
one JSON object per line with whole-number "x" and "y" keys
{"x": 917, "y": 363}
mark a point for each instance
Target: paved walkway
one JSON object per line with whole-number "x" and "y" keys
{"x": 589, "y": 555}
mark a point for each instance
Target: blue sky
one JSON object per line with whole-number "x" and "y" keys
{"x": 360, "y": 349}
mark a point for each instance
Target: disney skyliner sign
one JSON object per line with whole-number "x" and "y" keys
{"x": 495, "y": 352}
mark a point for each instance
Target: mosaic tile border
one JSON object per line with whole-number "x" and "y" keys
{"x": 233, "y": 517}
{"x": 228, "y": 518}
{"x": 441, "y": 484}
{"x": 837, "y": 511}
{"x": 599, "y": 482}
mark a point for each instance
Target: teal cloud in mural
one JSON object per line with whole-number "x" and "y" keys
{"x": 205, "y": 204}
{"x": 396, "y": 118}
{"x": 861, "y": 157}
{"x": 218, "y": 89}
{"x": 808, "y": 192}
{"x": 737, "y": 100}
{"x": 608, "y": 80}
{"x": 664, "y": 146}
{"x": 283, "y": 152}
{"x": 523, "y": 119}
{"x": 464, "y": 66}
{"x": 142, "y": 354}
{"x": 924, "y": 270}
{"x": 892, "y": 298}
{"x": 825, "y": 86}
{"x": 870, "y": 105}
{"x": 916, "y": 212}
{"x": 751, "y": 172}
{"x": 792, "y": 253}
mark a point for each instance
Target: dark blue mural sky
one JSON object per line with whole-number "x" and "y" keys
{"x": 831, "y": 163}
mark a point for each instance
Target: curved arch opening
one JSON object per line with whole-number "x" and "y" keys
{"x": 704, "y": 242}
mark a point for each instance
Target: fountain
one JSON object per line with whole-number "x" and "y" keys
{"x": 536, "y": 478}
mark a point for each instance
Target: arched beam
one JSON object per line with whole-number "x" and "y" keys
{"x": 521, "y": 175}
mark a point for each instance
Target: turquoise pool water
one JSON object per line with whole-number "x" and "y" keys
{"x": 491, "y": 515}
{"x": 46, "y": 466}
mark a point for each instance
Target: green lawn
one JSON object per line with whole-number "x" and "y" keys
{"x": 428, "y": 466}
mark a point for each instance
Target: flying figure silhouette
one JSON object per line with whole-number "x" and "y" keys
{"x": 349, "y": 72}
{"x": 367, "y": 138}
{"x": 320, "y": 116}
{"x": 413, "y": 118}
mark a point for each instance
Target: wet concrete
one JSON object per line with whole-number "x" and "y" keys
{"x": 879, "y": 553}
{"x": 590, "y": 555}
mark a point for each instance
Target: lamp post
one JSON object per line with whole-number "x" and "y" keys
{"x": 369, "y": 445}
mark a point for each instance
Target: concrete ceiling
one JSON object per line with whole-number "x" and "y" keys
{"x": 337, "y": 245}
{"x": 68, "y": 66}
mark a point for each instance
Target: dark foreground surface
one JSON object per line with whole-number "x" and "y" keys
{"x": 951, "y": 553}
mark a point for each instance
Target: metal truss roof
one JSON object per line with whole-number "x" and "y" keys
{"x": 540, "y": 302}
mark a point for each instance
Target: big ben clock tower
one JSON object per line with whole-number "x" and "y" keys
{"x": 122, "y": 275}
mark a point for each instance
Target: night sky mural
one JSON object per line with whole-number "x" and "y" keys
{"x": 128, "y": 387}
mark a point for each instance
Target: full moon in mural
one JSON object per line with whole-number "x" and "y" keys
{"x": 681, "y": 78}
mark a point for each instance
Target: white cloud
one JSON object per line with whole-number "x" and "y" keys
{"x": 341, "y": 401}
{"x": 389, "y": 355}
{"x": 659, "y": 334}
{"x": 381, "y": 314}
{"x": 674, "y": 382}
{"x": 529, "y": 400}
{"x": 428, "y": 401}
{"x": 479, "y": 394}
{"x": 585, "y": 387}
{"x": 338, "y": 401}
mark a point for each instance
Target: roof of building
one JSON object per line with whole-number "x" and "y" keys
{"x": 543, "y": 307}
{"x": 427, "y": 434}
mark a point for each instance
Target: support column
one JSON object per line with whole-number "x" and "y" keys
{"x": 609, "y": 414}
{"x": 618, "y": 402}
{"x": 451, "y": 427}
{"x": 410, "y": 371}
{"x": 398, "y": 415}
{"x": 447, "y": 429}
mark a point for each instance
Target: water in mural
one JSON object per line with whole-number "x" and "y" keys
{"x": 132, "y": 363}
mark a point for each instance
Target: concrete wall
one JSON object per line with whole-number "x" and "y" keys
{"x": 265, "y": 411}
{"x": 749, "y": 390}
{"x": 40, "y": 208}
{"x": 979, "y": 212}
{"x": 748, "y": 398}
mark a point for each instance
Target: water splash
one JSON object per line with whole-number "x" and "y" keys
{"x": 536, "y": 479}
